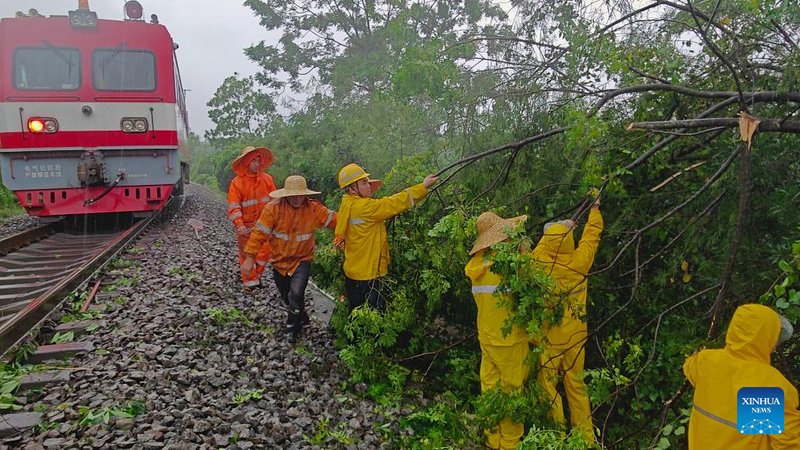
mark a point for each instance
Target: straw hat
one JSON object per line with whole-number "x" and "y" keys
{"x": 267, "y": 158}
{"x": 294, "y": 185}
{"x": 491, "y": 230}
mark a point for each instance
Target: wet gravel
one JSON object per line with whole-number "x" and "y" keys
{"x": 17, "y": 224}
{"x": 161, "y": 345}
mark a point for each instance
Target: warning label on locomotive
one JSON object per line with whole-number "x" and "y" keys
{"x": 43, "y": 171}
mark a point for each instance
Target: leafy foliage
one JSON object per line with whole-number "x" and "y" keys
{"x": 227, "y": 316}
{"x": 89, "y": 417}
{"x": 406, "y": 88}
{"x": 239, "y": 110}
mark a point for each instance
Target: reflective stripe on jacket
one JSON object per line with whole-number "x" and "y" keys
{"x": 491, "y": 317}
{"x": 290, "y": 232}
{"x": 717, "y": 375}
{"x": 569, "y": 267}
{"x": 366, "y": 248}
{"x": 247, "y": 196}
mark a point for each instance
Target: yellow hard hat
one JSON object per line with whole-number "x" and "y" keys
{"x": 349, "y": 174}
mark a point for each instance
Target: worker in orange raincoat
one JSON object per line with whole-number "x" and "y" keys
{"x": 361, "y": 231}
{"x": 502, "y": 357}
{"x": 563, "y": 353}
{"x": 717, "y": 375}
{"x": 247, "y": 195}
{"x": 287, "y": 225}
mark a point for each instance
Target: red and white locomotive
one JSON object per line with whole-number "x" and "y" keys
{"x": 92, "y": 113}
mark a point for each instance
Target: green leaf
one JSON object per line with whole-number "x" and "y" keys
{"x": 785, "y": 266}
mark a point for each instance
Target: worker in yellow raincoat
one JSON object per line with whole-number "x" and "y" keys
{"x": 360, "y": 229}
{"x": 563, "y": 353}
{"x": 717, "y": 375}
{"x": 502, "y": 357}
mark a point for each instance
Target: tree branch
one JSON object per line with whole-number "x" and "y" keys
{"x": 511, "y": 146}
{"x": 745, "y": 185}
{"x": 772, "y": 125}
{"x": 768, "y": 96}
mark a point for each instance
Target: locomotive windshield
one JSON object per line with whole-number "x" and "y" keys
{"x": 47, "y": 69}
{"x": 123, "y": 70}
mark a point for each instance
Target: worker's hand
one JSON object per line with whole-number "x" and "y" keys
{"x": 242, "y": 230}
{"x": 430, "y": 180}
{"x": 570, "y": 224}
{"x": 596, "y": 204}
{"x": 249, "y": 264}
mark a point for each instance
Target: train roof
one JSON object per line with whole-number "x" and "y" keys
{"x": 59, "y": 31}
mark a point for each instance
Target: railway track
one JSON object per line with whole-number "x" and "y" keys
{"x": 42, "y": 266}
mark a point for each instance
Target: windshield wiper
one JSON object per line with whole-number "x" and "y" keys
{"x": 113, "y": 55}
{"x": 52, "y": 48}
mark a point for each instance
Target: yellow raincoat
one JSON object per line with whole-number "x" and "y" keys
{"x": 360, "y": 223}
{"x": 569, "y": 267}
{"x": 502, "y": 358}
{"x": 717, "y": 375}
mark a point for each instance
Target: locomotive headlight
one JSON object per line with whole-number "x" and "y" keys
{"x": 36, "y": 126}
{"x": 83, "y": 18}
{"x": 133, "y": 124}
{"x": 42, "y": 125}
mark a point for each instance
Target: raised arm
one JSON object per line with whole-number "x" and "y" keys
{"x": 393, "y": 205}
{"x": 587, "y": 248}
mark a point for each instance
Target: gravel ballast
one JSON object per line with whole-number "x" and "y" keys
{"x": 207, "y": 376}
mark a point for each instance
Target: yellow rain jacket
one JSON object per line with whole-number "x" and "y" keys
{"x": 360, "y": 223}
{"x": 717, "y": 375}
{"x": 564, "y": 351}
{"x": 569, "y": 266}
{"x": 502, "y": 358}
{"x": 490, "y": 316}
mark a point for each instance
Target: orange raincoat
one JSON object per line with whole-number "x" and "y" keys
{"x": 289, "y": 232}
{"x": 247, "y": 195}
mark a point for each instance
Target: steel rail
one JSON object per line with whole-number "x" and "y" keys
{"x": 21, "y": 239}
{"x": 37, "y": 311}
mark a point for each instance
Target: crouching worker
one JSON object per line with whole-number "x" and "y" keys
{"x": 502, "y": 357}
{"x": 717, "y": 375}
{"x": 361, "y": 231}
{"x": 563, "y": 353}
{"x": 248, "y": 193}
{"x": 288, "y": 226}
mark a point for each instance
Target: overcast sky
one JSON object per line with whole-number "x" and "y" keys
{"x": 212, "y": 35}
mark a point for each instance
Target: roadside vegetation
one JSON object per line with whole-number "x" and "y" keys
{"x": 526, "y": 108}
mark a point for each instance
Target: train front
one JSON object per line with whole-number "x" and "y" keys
{"x": 92, "y": 118}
